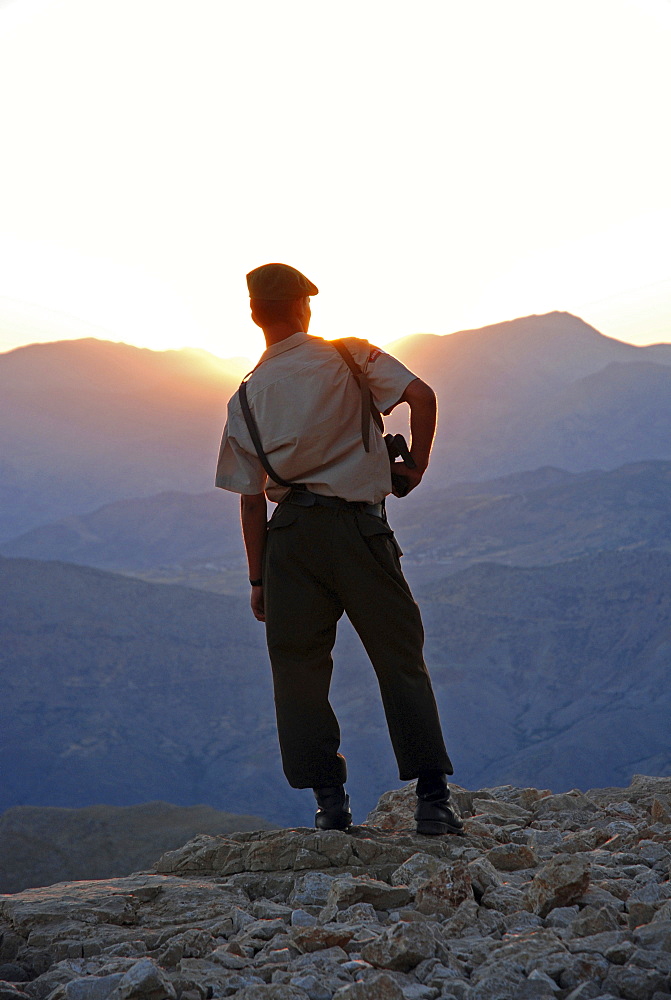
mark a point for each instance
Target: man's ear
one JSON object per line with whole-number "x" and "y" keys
{"x": 305, "y": 311}
{"x": 254, "y": 316}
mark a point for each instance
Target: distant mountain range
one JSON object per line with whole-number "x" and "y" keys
{"x": 119, "y": 691}
{"x": 539, "y": 546}
{"x": 85, "y": 422}
{"x": 524, "y": 519}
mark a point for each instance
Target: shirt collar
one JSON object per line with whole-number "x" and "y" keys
{"x": 295, "y": 340}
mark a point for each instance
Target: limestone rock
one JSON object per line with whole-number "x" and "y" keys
{"x": 483, "y": 874}
{"x": 560, "y": 882}
{"x": 570, "y": 890}
{"x": 594, "y": 921}
{"x": 394, "y": 810}
{"x": 378, "y": 987}
{"x": 145, "y": 981}
{"x": 656, "y": 936}
{"x": 348, "y": 890}
{"x": 499, "y": 813}
{"x": 512, "y": 857}
{"x": 418, "y": 869}
{"x": 271, "y": 991}
{"x": 308, "y": 939}
{"x": 402, "y": 947}
{"x": 445, "y": 891}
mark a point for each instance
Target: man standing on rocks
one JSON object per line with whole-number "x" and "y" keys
{"x": 301, "y": 431}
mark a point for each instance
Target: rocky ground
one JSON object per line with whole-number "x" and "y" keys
{"x": 547, "y": 896}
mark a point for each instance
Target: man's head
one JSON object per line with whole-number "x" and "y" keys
{"x": 279, "y": 282}
{"x": 280, "y": 297}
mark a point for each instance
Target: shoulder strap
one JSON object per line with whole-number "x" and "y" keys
{"x": 256, "y": 439}
{"x": 368, "y": 407}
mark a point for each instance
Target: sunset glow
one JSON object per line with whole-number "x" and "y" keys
{"x": 431, "y": 168}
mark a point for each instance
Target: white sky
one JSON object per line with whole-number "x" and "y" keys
{"x": 430, "y": 166}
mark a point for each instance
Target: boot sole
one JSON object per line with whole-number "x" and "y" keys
{"x": 434, "y": 828}
{"x": 343, "y": 824}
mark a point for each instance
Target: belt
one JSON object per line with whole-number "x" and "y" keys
{"x": 304, "y": 498}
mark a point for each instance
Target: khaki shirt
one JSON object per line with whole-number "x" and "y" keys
{"x": 307, "y": 405}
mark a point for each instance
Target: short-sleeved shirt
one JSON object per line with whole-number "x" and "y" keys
{"x": 307, "y": 406}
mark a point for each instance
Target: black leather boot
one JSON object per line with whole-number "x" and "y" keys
{"x": 435, "y": 814}
{"x": 333, "y": 812}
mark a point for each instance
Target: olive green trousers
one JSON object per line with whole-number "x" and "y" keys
{"x": 319, "y": 563}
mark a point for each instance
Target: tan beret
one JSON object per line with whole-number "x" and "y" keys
{"x": 279, "y": 281}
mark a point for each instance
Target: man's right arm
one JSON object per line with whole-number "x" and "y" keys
{"x": 253, "y": 516}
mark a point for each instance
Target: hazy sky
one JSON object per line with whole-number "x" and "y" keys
{"x": 431, "y": 166}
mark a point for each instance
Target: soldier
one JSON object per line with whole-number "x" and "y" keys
{"x": 299, "y": 432}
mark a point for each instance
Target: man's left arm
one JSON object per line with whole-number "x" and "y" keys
{"x": 421, "y": 399}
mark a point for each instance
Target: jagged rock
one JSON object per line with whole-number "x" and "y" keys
{"x": 144, "y": 981}
{"x": 656, "y": 935}
{"x": 504, "y": 898}
{"x": 8, "y": 991}
{"x": 445, "y": 891}
{"x": 562, "y": 916}
{"x": 583, "y": 967}
{"x": 660, "y": 810}
{"x": 378, "y": 987}
{"x": 498, "y": 813}
{"x": 348, "y": 890}
{"x": 588, "y": 991}
{"x": 504, "y": 983}
{"x": 418, "y": 869}
{"x": 395, "y": 809}
{"x": 512, "y": 857}
{"x": 560, "y": 882}
{"x": 584, "y": 904}
{"x": 635, "y": 984}
{"x": 574, "y": 801}
{"x": 483, "y": 875}
{"x": 308, "y": 939}
{"x": 301, "y": 918}
{"x": 465, "y": 918}
{"x": 315, "y": 989}
{"x": 583, "y": 840}
{"x": 271, "y": 991}
{"x": 12, "y": 972}
{"x": 594, "y": 921}
{"x": 401, "y": 947}
{"x": 311, "y": 889}
{"x": 358, "y": 913}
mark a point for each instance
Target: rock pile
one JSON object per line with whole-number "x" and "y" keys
{"x": 547, "y": 896}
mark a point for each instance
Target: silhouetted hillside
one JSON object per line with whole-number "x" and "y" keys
{"x": 40, "y": 845}
{"x": 123, "y": 692}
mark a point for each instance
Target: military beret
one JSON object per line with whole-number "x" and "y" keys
{"x": 279, "y": 281}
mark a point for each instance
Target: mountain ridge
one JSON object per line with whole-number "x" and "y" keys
{"x": 110, "y": 421}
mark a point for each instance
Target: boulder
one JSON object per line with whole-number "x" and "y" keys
{"x": 144, "y": 981}
{"x": 560, "y": 882}
{"x": 401, "y": 947}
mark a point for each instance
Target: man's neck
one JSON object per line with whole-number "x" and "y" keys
{"x": 280, "y": 331}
